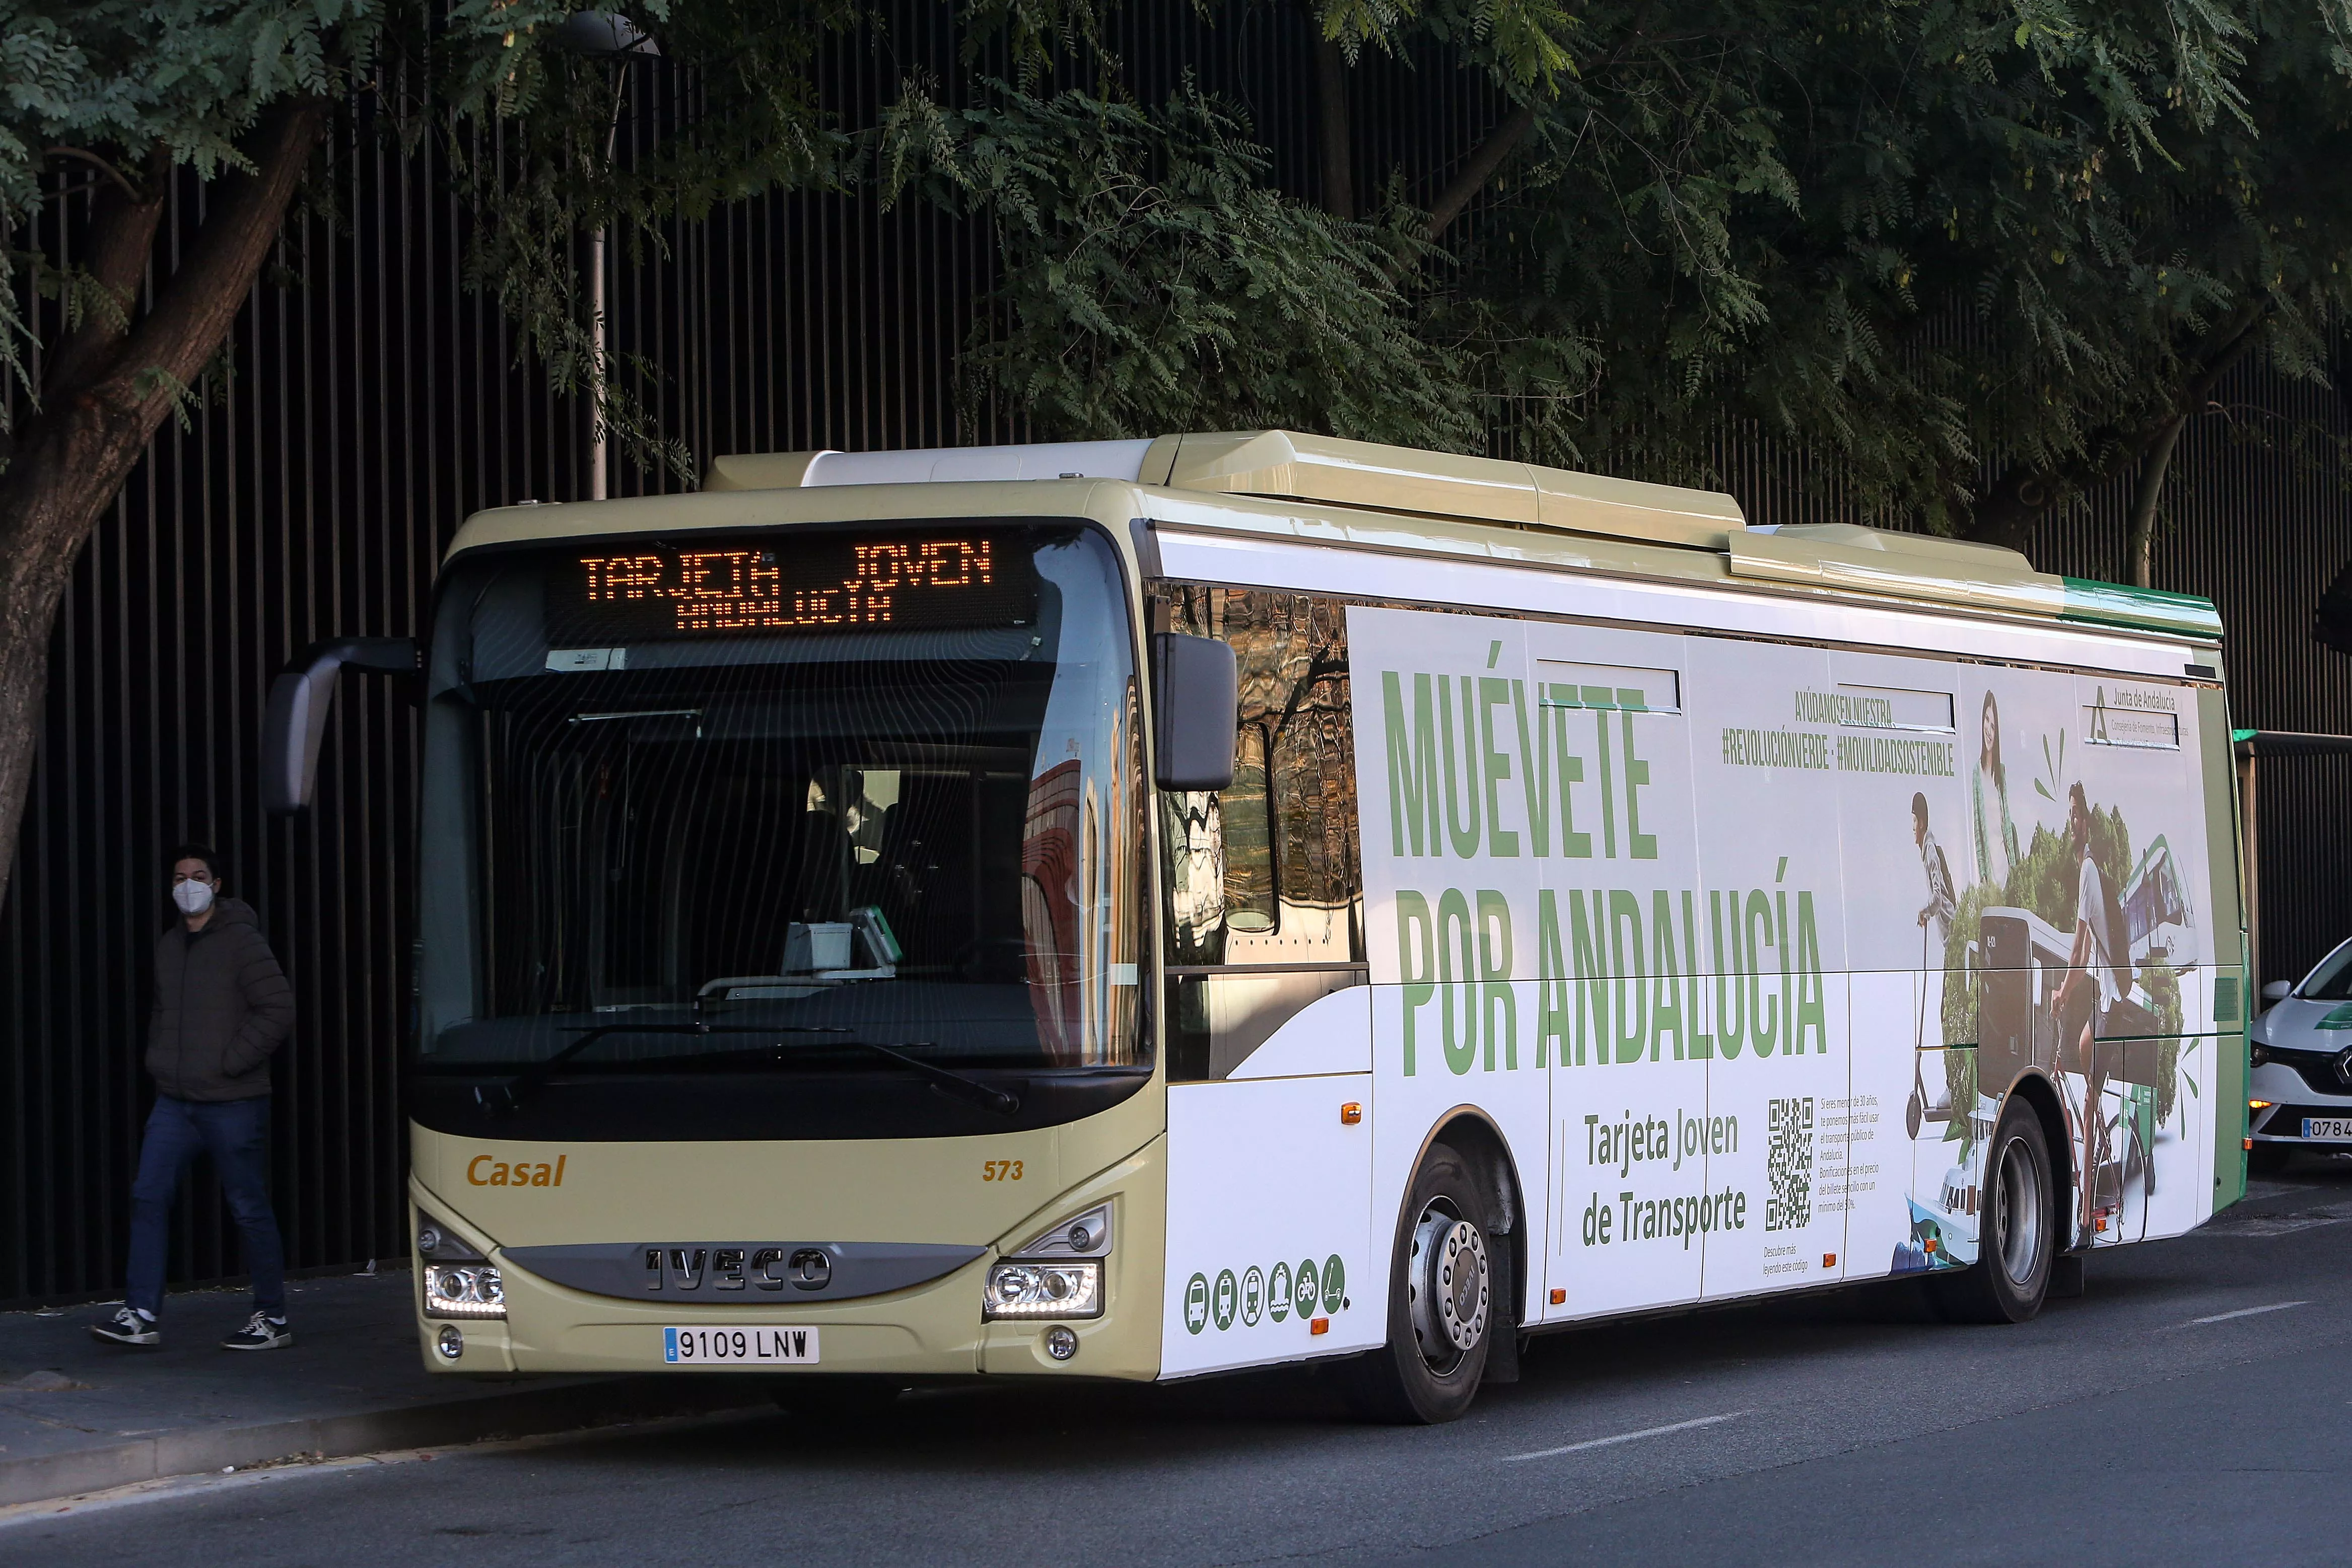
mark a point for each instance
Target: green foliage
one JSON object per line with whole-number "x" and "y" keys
{"x": 1959, "y": 1007}
{"x": 2046, "y": 881}
{"x": 1152, "y": 282}
{"x": 533, "y": 133}
{"x": 1918, "y": 237}
{"x": 1910, "y": 238}
{"x": 2052, "y": 783}
{"x": 1523, "y": 45}
{"x": 1960, "y": 1094}
{"x": 189, "y": 76}
{"x": 115, "y": 92}
{"x": 2111, "y": 848}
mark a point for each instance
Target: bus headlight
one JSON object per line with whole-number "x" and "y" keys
{"x": 463, "y": 1290}
{"x": 1072, "y": 1290}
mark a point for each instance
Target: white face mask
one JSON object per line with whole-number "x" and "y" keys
{"x": 192, "y": 897}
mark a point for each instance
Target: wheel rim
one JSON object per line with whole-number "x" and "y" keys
{"x": 2019, "y": 1216}
{"x": 1447, "y": 1283}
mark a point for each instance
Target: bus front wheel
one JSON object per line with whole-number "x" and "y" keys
{"x": 1443, "y": 1313}
{"x": 2017, "y": 1228}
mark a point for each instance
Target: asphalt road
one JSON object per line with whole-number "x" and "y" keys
{"x": 2193, "y": 1406}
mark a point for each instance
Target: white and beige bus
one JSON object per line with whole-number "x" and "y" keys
{"x": 1146, "y": 909}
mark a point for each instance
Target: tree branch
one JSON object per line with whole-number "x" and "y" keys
{"x": 193, "y": 310}
{"x": 2016, "y": 501}
{"x": 87, "y": 156}
{"x": 1479, "y": 168}
{"x": 122, "y": 238}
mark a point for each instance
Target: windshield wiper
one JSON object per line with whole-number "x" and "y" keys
{"x": 505, "y": 1099}
{"x": 955, "y": 1086}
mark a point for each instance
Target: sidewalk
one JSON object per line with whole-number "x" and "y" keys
{"x": 77, "y": 1415}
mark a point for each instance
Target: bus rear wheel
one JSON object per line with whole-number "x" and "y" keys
{"x": 2017, "y": 1228}
{"x": 1443, "y": 1313}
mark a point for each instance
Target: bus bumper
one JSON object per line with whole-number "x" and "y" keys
{"x": 934, "y": 1330}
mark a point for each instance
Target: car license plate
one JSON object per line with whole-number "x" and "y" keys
{"x": 702, "y": 1346}
{"x": 2332, "y": 1127}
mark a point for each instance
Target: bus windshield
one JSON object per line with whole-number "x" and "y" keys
{"x": 795, "y": 803}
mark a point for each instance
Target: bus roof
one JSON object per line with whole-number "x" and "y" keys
{"x": 1415, "y": 492}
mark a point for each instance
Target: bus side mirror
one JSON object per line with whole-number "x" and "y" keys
{"x": 1194, "y": 690}
{"x": 299, "y": 700}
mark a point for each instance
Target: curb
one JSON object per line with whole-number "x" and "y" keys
{"x": 519, "y": 1413}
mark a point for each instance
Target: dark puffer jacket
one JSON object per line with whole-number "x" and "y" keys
{"x": 222, "y": 1006}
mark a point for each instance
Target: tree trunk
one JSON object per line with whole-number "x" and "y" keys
{"x": 2141, "y": 540}
{"x": 1333, "y": 135}
{"x": 111, "y": 387}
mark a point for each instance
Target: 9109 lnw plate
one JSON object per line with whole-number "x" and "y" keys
{"x": 762, "y": 1345}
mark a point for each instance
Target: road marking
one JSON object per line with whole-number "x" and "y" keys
{"x": 2244, "y": 1312}
{"x": 1628, "y": 1436}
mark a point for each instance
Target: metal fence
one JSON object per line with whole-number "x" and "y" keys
{"x": 374, "y": 403}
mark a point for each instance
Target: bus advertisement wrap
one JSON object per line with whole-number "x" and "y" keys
{"x": 1741, "y": 957}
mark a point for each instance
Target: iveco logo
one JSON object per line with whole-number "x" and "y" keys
{"x": 702, "y": 1268}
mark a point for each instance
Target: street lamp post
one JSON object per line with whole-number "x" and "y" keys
{"x": 602, "y": 36}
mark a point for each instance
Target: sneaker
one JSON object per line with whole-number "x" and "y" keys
{"x": 129, "y": 1326}
{"x": 261, "y": 1331}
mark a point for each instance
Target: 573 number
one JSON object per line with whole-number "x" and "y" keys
{"x": 999, "y": 1170}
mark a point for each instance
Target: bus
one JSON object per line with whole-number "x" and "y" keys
{"x": 1147, "y": 909}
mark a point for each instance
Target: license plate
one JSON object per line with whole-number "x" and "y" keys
{"x": 757, "y": 1346}
{"x": 2337, "y": 1128}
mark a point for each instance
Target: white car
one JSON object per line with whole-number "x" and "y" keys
{"x": 2299, "y": 1094}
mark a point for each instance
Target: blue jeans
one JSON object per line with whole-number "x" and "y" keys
{"x": 236, "y": 1133}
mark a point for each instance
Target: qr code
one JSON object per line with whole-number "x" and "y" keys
{"x": 1789, "y": 1162}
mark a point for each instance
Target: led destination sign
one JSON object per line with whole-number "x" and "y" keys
{"x": 811, "y": 585}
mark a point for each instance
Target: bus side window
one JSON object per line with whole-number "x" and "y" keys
{"x": 1246, "y": 814}
{"x": 1264, "y": 874}
{"x": 1318, "y": 869}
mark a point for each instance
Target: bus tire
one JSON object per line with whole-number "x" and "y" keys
{"x": 1443, "y": 1311}
{"x": 2017, "y": 1228}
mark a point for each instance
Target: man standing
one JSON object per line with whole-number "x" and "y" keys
{"x": 222, "y": 1006}
{"x": 1942, "y": 903}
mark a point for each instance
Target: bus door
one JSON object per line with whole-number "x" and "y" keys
{"x": 1765, "y": 746}
{"x": 1272, "y": 1255}
{"x": 1618, "y": 1005}
{"x": 1908, "y": 863}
